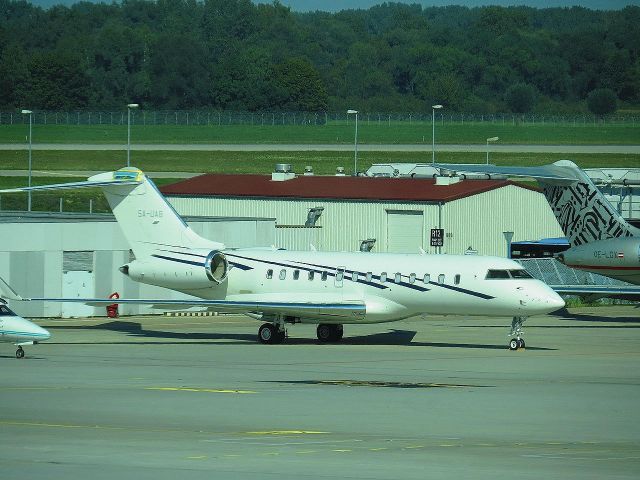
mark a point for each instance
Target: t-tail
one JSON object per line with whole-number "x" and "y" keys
{"x": 583, "y": 212}
{"x": 147, "y": 220}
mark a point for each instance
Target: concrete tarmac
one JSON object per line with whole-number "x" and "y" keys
{"x": 442, "y": 397}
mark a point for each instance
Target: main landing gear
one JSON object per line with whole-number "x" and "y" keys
{"x": 19, "y": 352}
{"x": 272, "y": 333}
{"x": 329, "y": 332}
{"x": 517, "y": 332}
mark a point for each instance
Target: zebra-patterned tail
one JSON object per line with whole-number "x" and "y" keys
{"x": 583, "y": 212}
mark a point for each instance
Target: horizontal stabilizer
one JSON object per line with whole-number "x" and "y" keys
{"x": 545, "y": 172}
{"x": 72, "y": 185}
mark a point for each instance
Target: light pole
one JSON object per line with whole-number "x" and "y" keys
{"x": 433, "y": 132}
{"x": 355, "y": 148}
{"x": 129, "y": 107}
{"x": 30, "y": 113}
{"x": 492, "y": 139}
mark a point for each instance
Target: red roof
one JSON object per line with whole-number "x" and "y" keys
{"x": 331, "y": 187}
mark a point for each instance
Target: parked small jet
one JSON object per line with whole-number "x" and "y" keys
{"x": 601, "y": 240}
{"x": 19, "y": 331}
{"x": 285, "y": 287}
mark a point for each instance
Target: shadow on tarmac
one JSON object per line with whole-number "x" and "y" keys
{"x": 565, "y": 314}
{"x": 392, "y": 337}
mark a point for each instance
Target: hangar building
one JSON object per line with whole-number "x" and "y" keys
{"x": 78, "y": 255}
{"x": 336, "y": 213}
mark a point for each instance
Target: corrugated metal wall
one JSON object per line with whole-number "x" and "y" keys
{"x": 477, "y": 221}
{"x": 35, "y": 254}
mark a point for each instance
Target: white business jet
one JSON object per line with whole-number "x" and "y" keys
{"x": 601, "y": 240}
{"x": 283, "y": 287}
{"x": 19, "y": 331}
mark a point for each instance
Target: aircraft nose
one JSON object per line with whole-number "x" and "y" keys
{"x": 44, "y": 333}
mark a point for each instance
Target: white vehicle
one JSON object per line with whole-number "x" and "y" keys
{"x": 283, "y": 287}
{"x": 19, "y": 331}
{"x": 601, "y": 240}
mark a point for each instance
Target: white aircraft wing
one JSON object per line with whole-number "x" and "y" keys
{"x": 314, "y": 306}
{"x": 629, "y": 292}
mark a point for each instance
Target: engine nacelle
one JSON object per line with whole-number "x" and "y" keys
{"x": 180, "y": 271}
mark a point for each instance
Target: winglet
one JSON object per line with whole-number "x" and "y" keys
{"x": 7, "y": 292}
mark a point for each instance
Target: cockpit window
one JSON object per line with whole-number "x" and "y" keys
{"x": 497, "y": 274}
{"x": 506, "y": 274}
{"x": 520, "y": 274}
{"x": 4, "y": 311}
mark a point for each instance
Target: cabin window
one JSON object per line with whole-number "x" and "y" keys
{"x": 520, "y": 274}
{"x": 369, "y": 276}
{"x": 324, "y": 276}
{"x": 339, "y": 275}
{"x": 456, "y": 279}
{"x": 283, "y": 274}
{"x": 398, "y": 277}
{"x": 311, "y": 273}
{"x": 497, "y": 275}
{"x": 269, "y": 274}
{"x": 412, "y": 278}
{"x": 296, "y": 274}
{"x": 383, "y": 277}
{"x": 427, "y": 278}
{"x": 441, "y": 278}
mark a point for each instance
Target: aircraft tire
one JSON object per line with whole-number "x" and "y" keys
{"x": 513, "y": 344}
{"x": 324, "y": 331}
{"x": 19, "y": 352}
{"x": 521, "y": 343}
{"x": 339, "y": 332}
{"x": 267, "y": 333}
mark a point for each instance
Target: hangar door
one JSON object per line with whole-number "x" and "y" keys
{"x": 404, "y": 231}
{"x": 78, "y": 281}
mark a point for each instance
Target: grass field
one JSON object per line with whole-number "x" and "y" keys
{"x": 323, "y": 163}
{"x": 339, "y": 133}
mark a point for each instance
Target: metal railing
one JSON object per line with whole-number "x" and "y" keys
{"x": 214, "y": 117}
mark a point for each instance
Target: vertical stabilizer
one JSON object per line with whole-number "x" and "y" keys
{"x": 147, "y": 220}
{"x": 583, "y": 212}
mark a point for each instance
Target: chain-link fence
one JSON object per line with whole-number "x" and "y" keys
{"x": 552, "y": 272}
{"x": 160, "y": 117}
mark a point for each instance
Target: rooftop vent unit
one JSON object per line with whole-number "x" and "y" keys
{"x": 340, "y": 172}
{"x": 442, "y": 180}
{"x": 282, "y": 172}
{"x": 308, "y": 170}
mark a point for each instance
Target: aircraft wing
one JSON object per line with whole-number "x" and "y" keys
{"x": 317, "y": 307}
{"x": 626, "y": 292}
{"x": 545, "y": 172}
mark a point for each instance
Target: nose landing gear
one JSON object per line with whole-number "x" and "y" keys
{"x": 19, "y": 352}
{"x": 517, "y": 331}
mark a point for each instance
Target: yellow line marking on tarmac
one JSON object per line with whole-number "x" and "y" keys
{"x": 273, "y": 454}
{"x": 197, "y": 457}
{"x": 206, "y": 390}
{"x": 231, "y": 455}
{"x": 305, "y": 452}
{"x": 57, "y": 425}
{"x": 288, "y": 432}
{"x": 341, "y": 450}
{"x": 377, "y": 449}
{"x": 414, "y": 446}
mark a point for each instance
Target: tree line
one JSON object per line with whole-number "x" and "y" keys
{"x": 235, "y": 55}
